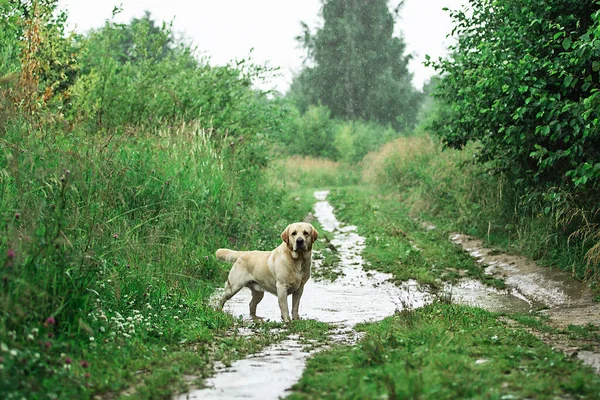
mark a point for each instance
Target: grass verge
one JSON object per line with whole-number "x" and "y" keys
{"x": 401, "y": 246}
{"x": 445, "y": 351}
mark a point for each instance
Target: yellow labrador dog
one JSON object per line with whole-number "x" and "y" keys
{"x": 283, "y": 271}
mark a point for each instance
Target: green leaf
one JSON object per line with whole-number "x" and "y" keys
{"x": 566, "y": 43}
{"x": 568, "y": 80}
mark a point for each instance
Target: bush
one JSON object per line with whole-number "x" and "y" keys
{"x": 523, "y": 81}
{"x": 316, "y": 134}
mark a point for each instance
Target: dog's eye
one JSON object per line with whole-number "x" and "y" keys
{"x": 305, "y": 233}
{"x": 294, "y": 233}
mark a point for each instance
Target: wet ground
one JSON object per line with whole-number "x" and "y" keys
{"x": 357, "y": 296}
{"x": 566, "y": 301}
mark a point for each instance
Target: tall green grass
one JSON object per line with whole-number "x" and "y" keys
{"x": 108, "y": 242}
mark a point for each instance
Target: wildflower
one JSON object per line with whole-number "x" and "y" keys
{"x": 84, "y": 364}
{"x": 47, "y": 345}
{"x": 10, "y": 254}
{"x": 30, "y": 337}
{"x": 13, "y": 352}
{"x": 35, "y": 331}
{"x": 68, "y": 360}
{"x": 115, "y": 236}
{"x": 17, "y": 215}
{"x": 50, "y": 321}
{"x": 91, "y": 338}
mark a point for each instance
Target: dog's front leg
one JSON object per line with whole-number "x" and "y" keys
{"x": 296, "y": 302}
{"x": 282, "y": 293}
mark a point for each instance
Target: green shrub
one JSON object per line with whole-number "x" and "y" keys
{"x": 522, "y": 81}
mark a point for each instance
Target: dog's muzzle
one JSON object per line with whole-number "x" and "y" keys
{"x": 300, "y": 244}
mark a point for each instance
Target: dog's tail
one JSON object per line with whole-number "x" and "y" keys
{"x": 228, "y": 255}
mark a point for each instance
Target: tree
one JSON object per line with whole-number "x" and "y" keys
{"x": 356, "y": 66}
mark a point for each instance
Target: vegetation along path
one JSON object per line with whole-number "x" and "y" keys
{"x": 344, "y": 294}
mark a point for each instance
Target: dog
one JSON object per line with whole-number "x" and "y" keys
{"x": 282, "y": 272}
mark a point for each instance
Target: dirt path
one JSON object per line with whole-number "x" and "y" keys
{"x": 356, "y": 296}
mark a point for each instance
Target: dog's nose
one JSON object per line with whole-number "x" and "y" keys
{"x": 300, "y": 240}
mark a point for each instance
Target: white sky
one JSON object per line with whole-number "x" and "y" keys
{"x": 227, "y": 29}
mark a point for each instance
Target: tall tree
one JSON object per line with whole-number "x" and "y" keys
{"x": 356, "y": 66}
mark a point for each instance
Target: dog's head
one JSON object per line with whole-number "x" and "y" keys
{"x": 299, "y": 236}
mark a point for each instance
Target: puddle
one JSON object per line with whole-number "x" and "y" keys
{"x": 356, "y": 296}
{"x": 568, "y": 301}
{"x": 266, "y": 375}
{"x": 474, "y": 293}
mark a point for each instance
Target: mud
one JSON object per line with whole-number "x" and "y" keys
{"x": 565, "y": 300}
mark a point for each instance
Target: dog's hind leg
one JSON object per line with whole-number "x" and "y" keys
{"x": 237, "y": 279}
{"x": 257, "y": 296}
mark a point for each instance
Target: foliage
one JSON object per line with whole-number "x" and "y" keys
{"x": 523, "y": 82}
{"x": 356, "y": 66}
{"x": 311, "y": 134}
{"x": 316, "y": 134}
{"x": 136, "y": 74}
{"x": 38, "y": 60}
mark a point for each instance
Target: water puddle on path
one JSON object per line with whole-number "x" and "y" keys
{"x": 567, "y": 300}
{"x": 356, "y": 296}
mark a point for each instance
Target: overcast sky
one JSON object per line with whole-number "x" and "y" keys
{"x": 227, "y": 29}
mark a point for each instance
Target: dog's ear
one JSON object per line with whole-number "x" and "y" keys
{"x": 285, "y": 235}
{"x": 315, "y": 234}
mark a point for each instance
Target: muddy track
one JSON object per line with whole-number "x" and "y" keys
{"x": 564, "y": 300}
{"x": 357, "y": 296}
